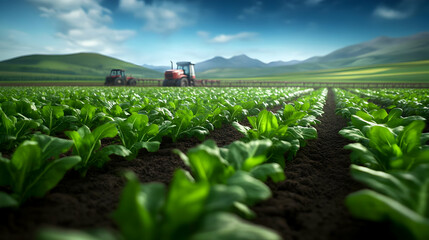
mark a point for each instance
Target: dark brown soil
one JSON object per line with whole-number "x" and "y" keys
{"x": 309, "y": 204}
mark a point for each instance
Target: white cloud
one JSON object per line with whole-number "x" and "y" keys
{"x": 160, "y": 16}
{"x": 389, "y": 13}
{"x": 224, "y": 38}
{"x": 251, "y": 11}
{"x": 83, "y": 25}
{"x": 402, "y": 10}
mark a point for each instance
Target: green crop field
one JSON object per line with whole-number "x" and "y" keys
{"x": 211, "y": 163}
{"x": 214, "y": 120}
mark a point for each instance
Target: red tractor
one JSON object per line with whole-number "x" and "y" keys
{"x": 183, "y": 76}
{"x": 117, "y": 77}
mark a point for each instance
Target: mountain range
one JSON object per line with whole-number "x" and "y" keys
{"x": 240, "y": 61}
{"x": 380, "y": 50}
{"x": 82, "y": 66}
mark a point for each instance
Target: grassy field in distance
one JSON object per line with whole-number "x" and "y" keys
{"x": 410, "y": 72}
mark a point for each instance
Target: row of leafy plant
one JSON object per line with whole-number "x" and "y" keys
{"x": 391, "y": 156}
{"x": 411, "y": 101}
{"x": 180, "y": 112}
{"x": 288, "y": 128}
{"x": 34, "y": 168}
{"x": 210, "y": 201}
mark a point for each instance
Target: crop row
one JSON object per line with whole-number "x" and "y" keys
{"x": 209, "y": 201}
{"x": 177, "y": 113}
{"x": 391, "y": 157}
{"x": 411, "y": 101}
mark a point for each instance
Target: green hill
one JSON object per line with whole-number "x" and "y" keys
{"x": 381, "y": 50}
{"x": 79, "y": 66}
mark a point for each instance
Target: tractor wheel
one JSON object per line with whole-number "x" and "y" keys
{"x": 183, "y": 82}
{"x": 168, "y": 83}
{"x": 119, "y": 81}
{"x": 132, "y": 82}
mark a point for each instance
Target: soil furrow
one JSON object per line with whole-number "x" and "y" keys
{"x": 309, "y": 204}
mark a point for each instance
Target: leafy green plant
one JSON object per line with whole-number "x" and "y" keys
{"x": 348, "y": 104}
{"x": 412, "y": 101}
{"x": 392, "y": 119}
{"x": 266, "y": 126}
{"x": 188, "y": 210}
{"x": 55, "y": 121}
{"x": 89, "y": 116}
{"x": 239, "y": 164}
{"x": 136, "y": 133}
{"x": 87, "y": 145}
{"x": 291, "y": 116}
{"x": 402, "y": 197}
{"x": 13, "y": 131}
{"x": 34, "y": 169}
{"x": 385, "y": 150}
{"x": 183, "y": 126}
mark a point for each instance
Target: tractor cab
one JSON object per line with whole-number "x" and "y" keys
{"x": 117, "y": 73}
{"x": 188, "y": 68}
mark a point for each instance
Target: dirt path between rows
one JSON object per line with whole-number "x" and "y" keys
{"x": 310, "y": 203}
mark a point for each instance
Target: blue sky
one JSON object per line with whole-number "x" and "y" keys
{"x": 156, "y": 31}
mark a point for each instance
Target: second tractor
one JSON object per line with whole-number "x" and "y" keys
{"x": 117, "y": 77}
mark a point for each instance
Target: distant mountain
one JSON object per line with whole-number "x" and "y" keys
{"x": 240, "y": 61}
{"x": 381, "y": 50}
{"x": 378, "y": 51}
{"x": 72, "y": 66}
{"x": 282, "y": 63}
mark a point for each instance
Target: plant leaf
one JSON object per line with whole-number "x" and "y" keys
{"x": 409, "y": 139}
{"x": 370, "y": 205}
{"x": 255, "y": 189}
{"x": 272, "y": 170}
{"x": 222, "y": 197}
{"x": 52, "y": 146}
{"x": 137, "y": 211}
{"x": 185, "y": 201}
{"x": 49, "y": 176}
